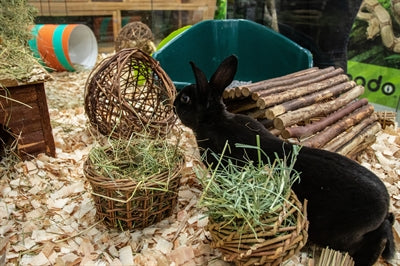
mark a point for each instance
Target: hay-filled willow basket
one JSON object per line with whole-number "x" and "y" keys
{"x": 129, "y": 92}
{"x": 133, "y": 188}
{"x": 271, "y": 244}
{"x": 254, "y": 216}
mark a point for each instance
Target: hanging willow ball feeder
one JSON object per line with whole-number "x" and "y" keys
{"x": 135, "y": 35}
{"x": 129, "y": 92}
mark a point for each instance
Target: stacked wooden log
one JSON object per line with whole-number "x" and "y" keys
{"x": 314, "y": 107}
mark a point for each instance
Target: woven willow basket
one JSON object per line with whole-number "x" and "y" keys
{"x": 135, "y": 35}
{"x": 127, "y": 204}
{"x": 130, "y": 92}
{"x": 271, "y": 245}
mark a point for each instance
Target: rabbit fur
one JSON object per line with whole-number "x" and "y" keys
{"x": 348, "y": 205}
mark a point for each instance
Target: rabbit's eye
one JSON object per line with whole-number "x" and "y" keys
{"x": 185, "y": 98}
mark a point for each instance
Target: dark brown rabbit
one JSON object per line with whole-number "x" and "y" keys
{"x": 348, "y": 205}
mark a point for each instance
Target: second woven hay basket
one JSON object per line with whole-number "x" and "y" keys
{"x": 254, "y": 217}
{"x": 271, "y": 244}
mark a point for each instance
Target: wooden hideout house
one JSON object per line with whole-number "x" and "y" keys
{"x": 202, "y": 9}
{"x": 24, "y": 118}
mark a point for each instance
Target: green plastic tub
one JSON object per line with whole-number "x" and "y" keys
{"x": 262, "y": 52}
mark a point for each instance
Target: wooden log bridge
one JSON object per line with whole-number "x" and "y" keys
{"x": 313, "y": 107}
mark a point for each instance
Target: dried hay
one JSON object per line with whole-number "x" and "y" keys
{"x": 16, "y": 60}
{"x": 138, "y": 158}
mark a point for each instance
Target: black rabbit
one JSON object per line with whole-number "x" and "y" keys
{"x": 348, "y": 205}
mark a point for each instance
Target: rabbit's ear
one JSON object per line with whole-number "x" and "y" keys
{"x": 202, "y": 86}
{"x": 224, "y": 74}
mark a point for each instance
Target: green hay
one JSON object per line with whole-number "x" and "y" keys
{"x": 240, "y": 195}
{"x": 138, "y": 159}
{"x": 16, "y": 60}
